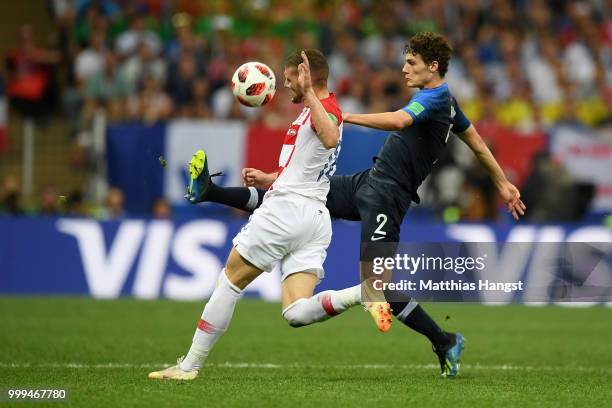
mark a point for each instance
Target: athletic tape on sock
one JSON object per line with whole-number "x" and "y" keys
{"x": 326, "y": 303}
{"x": 406, "y": 311}
{"x": 253, "y": 199}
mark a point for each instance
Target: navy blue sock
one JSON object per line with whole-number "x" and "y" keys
{"x": 419, "y": 321}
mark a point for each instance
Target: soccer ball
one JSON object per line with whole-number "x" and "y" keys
{"x": 254, "y": 84}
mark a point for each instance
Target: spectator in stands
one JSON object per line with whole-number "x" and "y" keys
{"x": 107, "y": 89}
{"x": 113, "y": 208}
{"x": 161, "y": 209}
{"x": 200, "y": 107}
{"x": 4, "y": 139}
{"x": 378, "y": 98}
{"x": 127, "y": 43}
{"x": 186, "y": 42}
{"x": 579, "y": 67}
{"x": 89, "y": 18}
{"x": 568, "y": 115}
{"x": 10, "y": 196}
{"x": 109, "y": 8}
{"x": 516, "y": 110}
{"x": 151, "y": 103}
{"x": 340, "y": 68}
{"x": 144, "y": 63}
{"x": 180, "y": 84}
{"x": 32, "y": 86}
{"x": 355, "y": 99}
{"x": 91, "y": 60}
{"x": 544, "y": 72}
{"x": 75, "y": 204}
{"x": 49, "y": 201}
{"x": 88, "y": 63}
{"x": 64, "y": 13}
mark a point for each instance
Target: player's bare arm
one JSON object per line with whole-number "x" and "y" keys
{"x": 326, "y": 129}
{"x": 256, "y": 178}
{"x": 510, "y": 194}
{"x": 384, "y": 121}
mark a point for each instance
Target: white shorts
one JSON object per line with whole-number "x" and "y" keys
{"x": 290, "y": 229}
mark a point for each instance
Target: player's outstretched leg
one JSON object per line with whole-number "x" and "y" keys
{"x": 201, "y": 188}
{"x": 321, "y": 306}
{"x": 330, "y": 303}
{"x": 301, "y": 308}
{"x": 447, "y": 346}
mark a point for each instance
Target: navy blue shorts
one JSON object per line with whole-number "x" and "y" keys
{"x": 379, "y": 203}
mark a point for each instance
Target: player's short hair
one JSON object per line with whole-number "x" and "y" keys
{"x": 431, "y": 47}
{"x": 319, "y": 70}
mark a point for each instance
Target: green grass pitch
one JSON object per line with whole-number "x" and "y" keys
{"x": 101, "y": 351}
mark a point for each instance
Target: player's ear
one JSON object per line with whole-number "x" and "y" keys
{"x": 433, "y": 67}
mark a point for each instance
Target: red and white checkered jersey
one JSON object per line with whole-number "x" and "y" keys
{"x": 305, "y": 165}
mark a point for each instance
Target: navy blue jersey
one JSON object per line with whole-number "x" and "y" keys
{"x": 409, "y": 154}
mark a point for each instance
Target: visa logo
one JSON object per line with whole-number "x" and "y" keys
{"x": 143, "y": 249}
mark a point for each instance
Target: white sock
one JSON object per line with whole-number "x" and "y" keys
{"x": 321, "y": 306}
{"x": 214, "y": 322}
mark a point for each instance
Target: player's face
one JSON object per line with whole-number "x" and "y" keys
{"x": 291, "y": 77}
{"x": 417, "y": 72}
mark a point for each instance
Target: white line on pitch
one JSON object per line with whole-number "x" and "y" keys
{"x": 476, "y": 366}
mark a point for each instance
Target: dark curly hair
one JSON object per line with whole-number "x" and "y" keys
{"x": 431, "y": 47}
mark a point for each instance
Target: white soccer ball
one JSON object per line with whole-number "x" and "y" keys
{"x": 254, "y": 84}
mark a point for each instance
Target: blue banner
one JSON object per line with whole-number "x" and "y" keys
{"x": 181, "y": 259}
{"x": 132, "y": 156}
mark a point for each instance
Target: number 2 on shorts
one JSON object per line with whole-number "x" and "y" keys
{"x": 382, "y": 219}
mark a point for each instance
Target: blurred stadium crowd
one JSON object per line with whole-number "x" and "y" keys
{"x": 524, "y": 65}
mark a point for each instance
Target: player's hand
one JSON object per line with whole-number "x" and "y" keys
{"x": 512, "y": 198}
{"x": 304, "y": 81}
{"x": 255, "y": 178}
